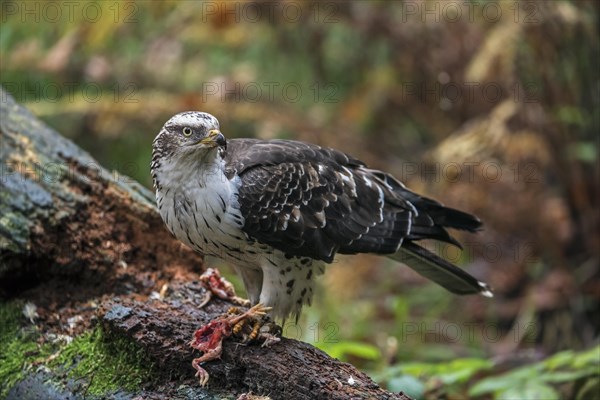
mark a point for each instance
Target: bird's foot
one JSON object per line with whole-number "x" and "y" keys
{"x": 245, "y": 324}
{"x": 218, "y": 286}
{"x": 269, "y": 338}
{"x": 201, "y": 373}
{"x": 256, "y": 326}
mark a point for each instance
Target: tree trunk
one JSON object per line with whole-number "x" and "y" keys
{"x": 84, "y": 244}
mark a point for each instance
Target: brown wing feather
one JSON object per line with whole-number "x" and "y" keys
{"x": 311, "y": 201}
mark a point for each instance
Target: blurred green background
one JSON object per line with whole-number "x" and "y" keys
{"x": 490, "y": 107}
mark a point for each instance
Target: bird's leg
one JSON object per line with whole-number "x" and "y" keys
{"x": 209, "y": 338}
{"x": 254, "y": 325}
{"x": 259, "y": 327}
{"x": 212, "y": 354}
{"x": 218, "y": 286}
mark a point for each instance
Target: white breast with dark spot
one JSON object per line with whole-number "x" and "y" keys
{"x": 199, "y": 206}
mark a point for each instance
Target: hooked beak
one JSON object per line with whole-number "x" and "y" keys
{"x": 215, "y": 138}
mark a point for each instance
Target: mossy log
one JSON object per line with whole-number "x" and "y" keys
{"x": 79, "y": 241}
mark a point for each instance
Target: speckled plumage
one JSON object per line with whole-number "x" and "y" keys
{"x": 279, "y": 210}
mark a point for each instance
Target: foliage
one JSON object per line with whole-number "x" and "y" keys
{"x": 574, "y": 374}
{"x": 536, "y": 381}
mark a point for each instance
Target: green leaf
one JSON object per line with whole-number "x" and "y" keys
{"x": 515, "y": 378}
{"x": 410, "y": 385}
{"x": 567, "y": 376}
{"x": 531, "y": 391}
{"x": 583, "y": 151}
{"x": 558, "y": 360}
{"x": 454, "y": 371}
{"x": 343, "y": 349}
{"x": 419, "y": 369}
{"x": 488, "y": 385}
{"x": 590, "y": 357}
{"x": 589, "y": 388}
{"x": 461, "y": 370}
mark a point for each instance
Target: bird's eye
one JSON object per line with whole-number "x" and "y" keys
{"x": 187, "y": 131}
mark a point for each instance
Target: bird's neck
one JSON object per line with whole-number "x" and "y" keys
{"x": 174, "y": 171}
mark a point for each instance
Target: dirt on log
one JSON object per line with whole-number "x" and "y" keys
{"x": 79, "y": 241}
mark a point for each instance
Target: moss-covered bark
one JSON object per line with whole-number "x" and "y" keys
{"x": 35, "y": 366}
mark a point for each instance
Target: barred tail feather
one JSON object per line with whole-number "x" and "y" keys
{"x": 439, "y": 270}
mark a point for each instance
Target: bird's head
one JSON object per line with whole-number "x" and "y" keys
{"x": 189, "y": 132}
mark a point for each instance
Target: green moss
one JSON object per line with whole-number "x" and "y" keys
{"x": 109, "y": 364}
{"x": 18, "y": 347}
{"x": 106, "y": 364}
